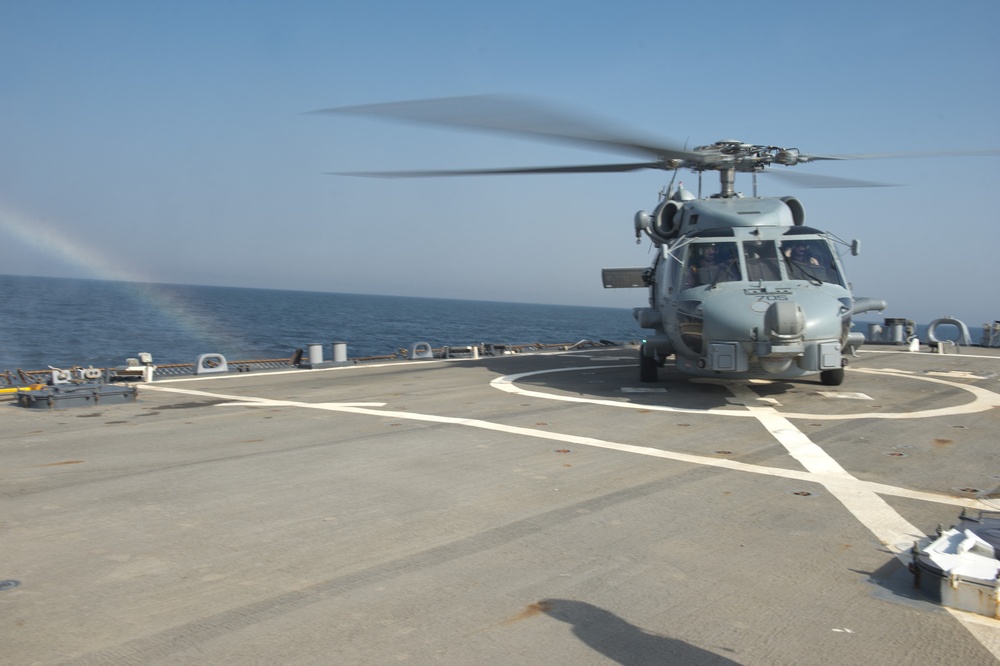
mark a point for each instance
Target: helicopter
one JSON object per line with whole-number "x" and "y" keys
{"x": 740, "y": 287}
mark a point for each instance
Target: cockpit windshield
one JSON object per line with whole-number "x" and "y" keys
{"x": 810, "y": 260}
{"x": 711, "y": 262}
{"x": 762, "y": 261}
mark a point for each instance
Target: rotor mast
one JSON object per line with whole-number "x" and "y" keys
{"x": 727, "y": 182}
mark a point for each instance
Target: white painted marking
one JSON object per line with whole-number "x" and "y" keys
{"x": 507, "y": 383}
{"x": 845, "y": 395}
{"x": 278, "y": 373}
{"x": 983, "y": 399}
{"x": 958, "y": 374}
{"x": 963, "y": 355}
{"x": 318, "y": 405}
{"x": 871, "y": 510}
{"x": 642, "y": 389}
{"x": 882, "y": 489}
{"x": 859, "y": 497}
{"x": 889, "y": 527}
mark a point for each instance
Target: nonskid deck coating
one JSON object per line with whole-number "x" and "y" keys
{"x": 543, "y": 508}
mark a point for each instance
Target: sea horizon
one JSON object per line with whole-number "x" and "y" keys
{"x": 93, "y": 321}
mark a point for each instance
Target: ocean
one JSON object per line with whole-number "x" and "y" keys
{"x": 64, "y": 322}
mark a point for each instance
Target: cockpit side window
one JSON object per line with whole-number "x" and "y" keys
{"x": 762, "y": 261}
{"x": 810, "y": 260}
{"x": 708, "y": 263}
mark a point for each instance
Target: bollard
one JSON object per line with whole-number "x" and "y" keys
{"x": 340, "y": 352}
{"x": 315, "y": 353}
{"x": 895, "y": 332}
{"x": 914, "y": 344}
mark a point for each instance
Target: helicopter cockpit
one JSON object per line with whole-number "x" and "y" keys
{"x": 711, "y": 261}
{"x": 810, "y": 260}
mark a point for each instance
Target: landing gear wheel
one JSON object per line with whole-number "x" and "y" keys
{"x": 647, "y": 367}
{"x": 832, "y": 377}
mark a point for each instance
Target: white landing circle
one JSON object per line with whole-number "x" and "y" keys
{"x": 982, "y": 399}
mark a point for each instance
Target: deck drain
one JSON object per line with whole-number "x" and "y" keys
{"x": 803, "y": 493}
{"x": 8, "y": 584}
{"x": 895, "y": 454}
{"x": 725, "y": 453}
{"x": 564, "y": 450}
{"x": 968, "y": 489}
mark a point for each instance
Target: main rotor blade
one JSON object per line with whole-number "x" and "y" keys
{"x": 984, "y": 152}
{"x": 500, "y": 113}
{"x": 819, "y": 181}
{"x": 590, "y": 168}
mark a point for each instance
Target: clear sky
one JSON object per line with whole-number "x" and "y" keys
{"x": 170, "y": 141}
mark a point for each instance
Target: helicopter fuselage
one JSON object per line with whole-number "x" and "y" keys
{"x": 741, "y": 288}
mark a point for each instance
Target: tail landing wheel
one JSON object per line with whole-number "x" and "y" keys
{"x": 647, "y": 367}
{"x": 832, "y": 377}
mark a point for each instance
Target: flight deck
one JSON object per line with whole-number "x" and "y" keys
{"x": 529, "y": 508}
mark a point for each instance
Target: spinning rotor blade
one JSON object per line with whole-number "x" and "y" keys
{"x": 590, "y": 168}
{"x": 985, "y": 152}
{"x": 818, "y": 181}
{"x": 505, "y": 114}
{"x": 511, "y": 115}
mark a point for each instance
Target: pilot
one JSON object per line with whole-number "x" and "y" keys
{"x": 800, "y": 254}
{"x": 708, "y": 269}
{"x": 709, "y": 254}
{"x": 802, "y": 264}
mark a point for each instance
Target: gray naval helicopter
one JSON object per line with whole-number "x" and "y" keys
{"x": 740, "y": 287}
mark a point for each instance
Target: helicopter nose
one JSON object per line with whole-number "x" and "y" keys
{"x": 784, "y": 320}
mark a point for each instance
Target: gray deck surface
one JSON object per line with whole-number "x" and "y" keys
{"x": 415, "y": 512}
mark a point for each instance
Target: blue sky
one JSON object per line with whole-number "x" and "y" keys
{"x": 170, "y": 141}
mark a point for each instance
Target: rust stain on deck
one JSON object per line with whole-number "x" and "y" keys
{"x": 529, "y": 611}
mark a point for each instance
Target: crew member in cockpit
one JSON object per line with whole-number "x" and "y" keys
{"x": 802, "y": 264}
{"x": 709, "y": 268}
